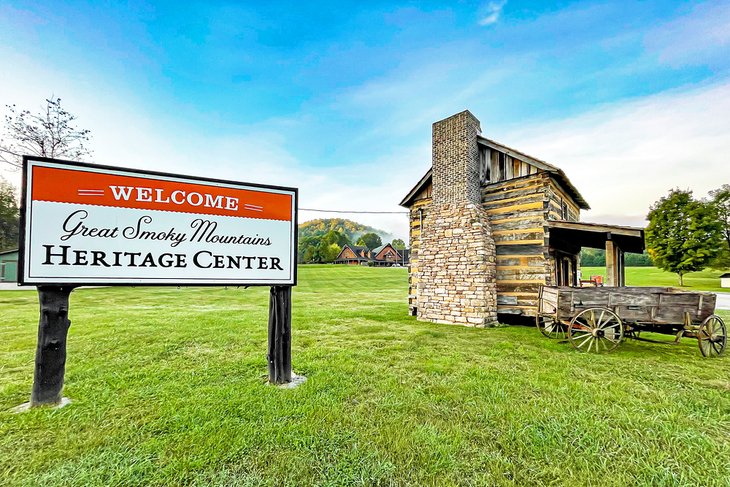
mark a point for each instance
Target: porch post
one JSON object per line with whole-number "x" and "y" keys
{"x": 621, "y": 267}
{"x": 610, "y": 263}
{"x": 615, "y": 272}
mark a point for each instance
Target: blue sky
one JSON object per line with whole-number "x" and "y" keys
{"x": 339, "y": 98}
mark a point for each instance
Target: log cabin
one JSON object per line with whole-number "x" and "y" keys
{"x": 383, "y": 256}
{"x": 490, "y": 224}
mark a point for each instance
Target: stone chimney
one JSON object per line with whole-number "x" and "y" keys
{"x": 455, "y": 160}
{"x": 457, "y": 279}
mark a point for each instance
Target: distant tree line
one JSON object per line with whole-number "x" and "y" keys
{"x": 597, "y": 258}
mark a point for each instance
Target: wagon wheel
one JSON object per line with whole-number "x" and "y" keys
{"x": 550, "y": 327}
{"x": 712, "y": 337}
{"x": 597, "y": 329}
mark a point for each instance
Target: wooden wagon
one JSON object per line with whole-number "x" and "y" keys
{"x": 598, "y": 319}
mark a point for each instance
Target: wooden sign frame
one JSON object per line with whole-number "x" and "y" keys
{"x": 232, "y": 187}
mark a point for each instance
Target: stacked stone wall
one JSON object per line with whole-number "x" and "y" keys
{"x": 457, "y": 267}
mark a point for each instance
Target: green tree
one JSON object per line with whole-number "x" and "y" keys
{"x": 336, "y": 237}
{"x": 328, "y": 252}
{"x": 370, "y": 240}
{"x": 720, "y": 199}
{"x": 48, "y": 133}
{"x": 318, "y": 228}
{"x": 9, "y": 216}
{"x": 305, "y": 244}
{"x": 310, "y": 255}
{"x": 683, "y": 234}
{"x": 398, "y": 244}
{"x": 590, "y": 257}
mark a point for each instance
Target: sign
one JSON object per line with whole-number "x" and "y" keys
{"x": 90, "y": 224}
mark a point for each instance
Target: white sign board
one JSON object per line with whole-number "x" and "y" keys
{"x": 88, "y": 224}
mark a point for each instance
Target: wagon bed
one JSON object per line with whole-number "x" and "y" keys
{"x": 605, "y": 315}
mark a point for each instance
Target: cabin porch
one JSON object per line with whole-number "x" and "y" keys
{"x": 567, "y": 238}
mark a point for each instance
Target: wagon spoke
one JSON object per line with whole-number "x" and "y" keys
{"x": 578, "y": 326}
{"x": 611, "y": 339}
{"x": 580, "y": 334}
{"x": 580, "y": 331}
{"x": 611, "y": 343}
{"x": 583, "y": 339}
{"x": 600, "y": 319}
{"x": 592, "y": 320}
{"x": 580, "y": 345}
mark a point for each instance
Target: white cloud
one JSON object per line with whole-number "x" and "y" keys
{"x": 625, "y": 156}
{"x": 491, "y": 14}
{"x": 700, "y": 37}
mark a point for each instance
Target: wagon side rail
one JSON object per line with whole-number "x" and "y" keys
{"x": 547, "y": 300}
{"x": 546, "y": 317}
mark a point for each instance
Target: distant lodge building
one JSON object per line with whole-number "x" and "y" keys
{"x": 490, "y": 224}
{"x": 9, "y": 266}
{"x": 385, "y": 255}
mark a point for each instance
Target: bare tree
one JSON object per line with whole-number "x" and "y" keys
{"x": 48, "y": 133}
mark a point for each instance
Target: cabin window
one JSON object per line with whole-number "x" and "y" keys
{"x": 563, "y": 210}
{"x": 501, "y": 174}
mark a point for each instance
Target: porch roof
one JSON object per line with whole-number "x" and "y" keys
{"x": 595, "y": 235}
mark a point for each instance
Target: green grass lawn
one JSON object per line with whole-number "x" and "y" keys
{"x": 168, "y": 389}
{"x": 707, "y": 280}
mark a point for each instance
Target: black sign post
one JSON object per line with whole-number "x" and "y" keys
{"x": 50, "y": 355}
{"x": 279, "y": 356}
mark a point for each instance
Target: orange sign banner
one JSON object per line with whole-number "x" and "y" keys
{"x": 113, "y": 190}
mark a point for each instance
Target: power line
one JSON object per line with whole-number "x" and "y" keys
{"x": 368, "y": 212}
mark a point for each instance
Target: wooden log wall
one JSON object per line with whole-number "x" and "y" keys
{"x": 517, "y": 212}
{"x": 557, "y": 197}
{"x": 421, "y": 204}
